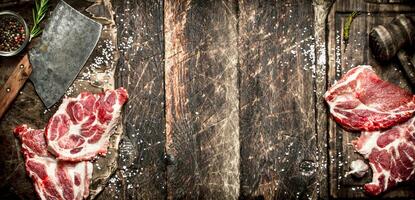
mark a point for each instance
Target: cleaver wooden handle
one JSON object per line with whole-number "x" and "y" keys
{"x": 15, "y": 82}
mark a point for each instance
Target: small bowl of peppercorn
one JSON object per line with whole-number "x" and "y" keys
{"x": 14, "y": 33}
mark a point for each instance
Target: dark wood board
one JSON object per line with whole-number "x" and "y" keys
{"x": 279, "y": 153}
{"x": 225, "y": 99}
{"x": 201, "y": 99}
{"x": 342, "y": 58}
{"x": 141, "y": 169}
{"x": 321, "y": 9}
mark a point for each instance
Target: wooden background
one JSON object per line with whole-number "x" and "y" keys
{"x": 225, "y": 98}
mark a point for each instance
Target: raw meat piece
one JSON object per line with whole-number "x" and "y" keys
{"x": 391, "y": 155}
{"x": 360, "y": 100}
{"x": 53, "y": 179}
{"x": 82, "y": 126}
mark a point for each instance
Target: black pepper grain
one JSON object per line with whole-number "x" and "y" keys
{"x": 12, "y": 34}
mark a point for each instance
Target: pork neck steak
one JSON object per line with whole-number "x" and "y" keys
{"x": 391, "y": 155}
{"x": 53, "y": 179}
{"x": 360, "y": 100}
{"x": 82, "y": 126}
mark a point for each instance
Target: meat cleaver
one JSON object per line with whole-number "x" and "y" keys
{"x": 66, "y": 43}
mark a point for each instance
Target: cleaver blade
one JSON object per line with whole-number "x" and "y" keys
{"x": 64, "y": 47}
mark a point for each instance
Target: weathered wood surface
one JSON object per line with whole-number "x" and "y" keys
{"x": 7, "y": 3}
{"x": 201, "y": 99}
{"x": 225, "y": 99}
{"x": 141, "y": 172}
{"x": 277, "y": 103}
{"x": 342, "y": 58}
{"x": 321, "y": 8}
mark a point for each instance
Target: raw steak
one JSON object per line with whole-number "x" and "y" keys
{"x": 391, "y": 155}
{"x": 360, "y": 100}
{"x": 82, "y": 126}
{"x": 53, "y": 179}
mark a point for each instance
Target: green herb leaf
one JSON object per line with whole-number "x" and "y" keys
{"x": 36, "y": 5}
{"x": 39, "y": 12}
{"x": 347, "y": 24}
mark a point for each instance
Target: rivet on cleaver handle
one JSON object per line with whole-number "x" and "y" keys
{"x": 14, "y": 83}
{"x": 66, "y": 43}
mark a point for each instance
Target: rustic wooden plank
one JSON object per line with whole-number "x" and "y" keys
{"x": 341, "y": 59}
{"x": 141, "y": 169}
{"x": 277, "y": 118}
{"x": 332, "y": 51}
{"x": 9, "y": 3}
{"x": 201, "y": 99}
{"x": 368, "y": 6}
{"x": 321, "y": 11}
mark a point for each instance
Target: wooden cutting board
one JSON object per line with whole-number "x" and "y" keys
{"x": 341, "y": 59}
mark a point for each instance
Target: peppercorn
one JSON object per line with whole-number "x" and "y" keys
{"x": 12, "y": 34}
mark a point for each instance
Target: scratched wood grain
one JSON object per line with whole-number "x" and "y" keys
{"x": 277, "y": 103}
{"x": 141, "y": 169}
{"x": 341, "y": 59}
{"x": 201, "y": 99}
{"x": 222, "y": 102}
{"x": 8, "y": 3}
{"x": 321, "y": 11}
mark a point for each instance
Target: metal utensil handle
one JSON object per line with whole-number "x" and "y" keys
{"x": 16, "y": 80}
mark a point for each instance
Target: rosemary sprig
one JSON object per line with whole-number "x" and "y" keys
{"x": 347, "y": 24}
{"x": 39, "y": 12}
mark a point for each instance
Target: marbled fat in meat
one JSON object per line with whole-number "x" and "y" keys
{"x": 82, "y": 126}
{"x": 360, "y": 100}
{"x": 53, "y": 179}
{"x": 391, "y": 155}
